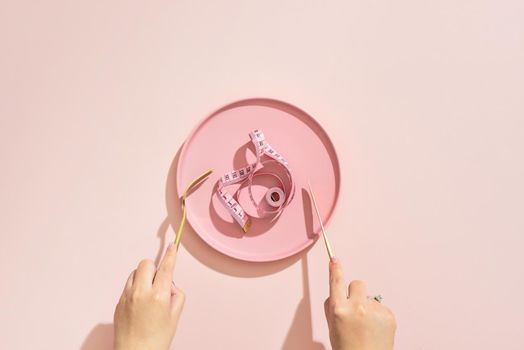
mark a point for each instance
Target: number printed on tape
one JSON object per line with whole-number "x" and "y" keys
{"x": 264, "y": 153}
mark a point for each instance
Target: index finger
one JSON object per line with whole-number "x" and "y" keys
{"x": 164, "y": 274}
{"x": 337, "y": 285}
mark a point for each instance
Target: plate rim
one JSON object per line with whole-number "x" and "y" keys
{"x": 222, "y": 248}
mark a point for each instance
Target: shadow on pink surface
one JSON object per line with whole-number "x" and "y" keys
{"x": 100, "y": 338}
{"x": 300, "y": 334}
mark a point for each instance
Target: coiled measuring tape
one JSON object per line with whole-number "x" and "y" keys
{"x": 276, "y": 198}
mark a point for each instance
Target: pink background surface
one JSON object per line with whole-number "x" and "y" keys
{"x": 423, "y": 100}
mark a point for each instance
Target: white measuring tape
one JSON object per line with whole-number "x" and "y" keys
{"x": 276, "y": 198}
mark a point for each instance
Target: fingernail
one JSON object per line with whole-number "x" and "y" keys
{"x": 334, "y": 260}
{"x": 170, "y": 246}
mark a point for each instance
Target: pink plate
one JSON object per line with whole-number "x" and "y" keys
{"x": 221, "y": 142}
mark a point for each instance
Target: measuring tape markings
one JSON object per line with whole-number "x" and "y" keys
{"x": 276, "y": 197}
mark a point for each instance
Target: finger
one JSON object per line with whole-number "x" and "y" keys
{"x": 357, "y": 290}
{"x": 164, "y": 275}
{"x": 144, "y": 274}
{"x": 178, "y": 299}
{"x": 326, "y": 308}
{"x": 337, "y": 286}
{"x": 130, "y": 280}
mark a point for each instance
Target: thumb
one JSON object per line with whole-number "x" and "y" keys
{"x": 164, "y": 274}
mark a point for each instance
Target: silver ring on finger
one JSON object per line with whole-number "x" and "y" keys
{"x": 377, "y": 298}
